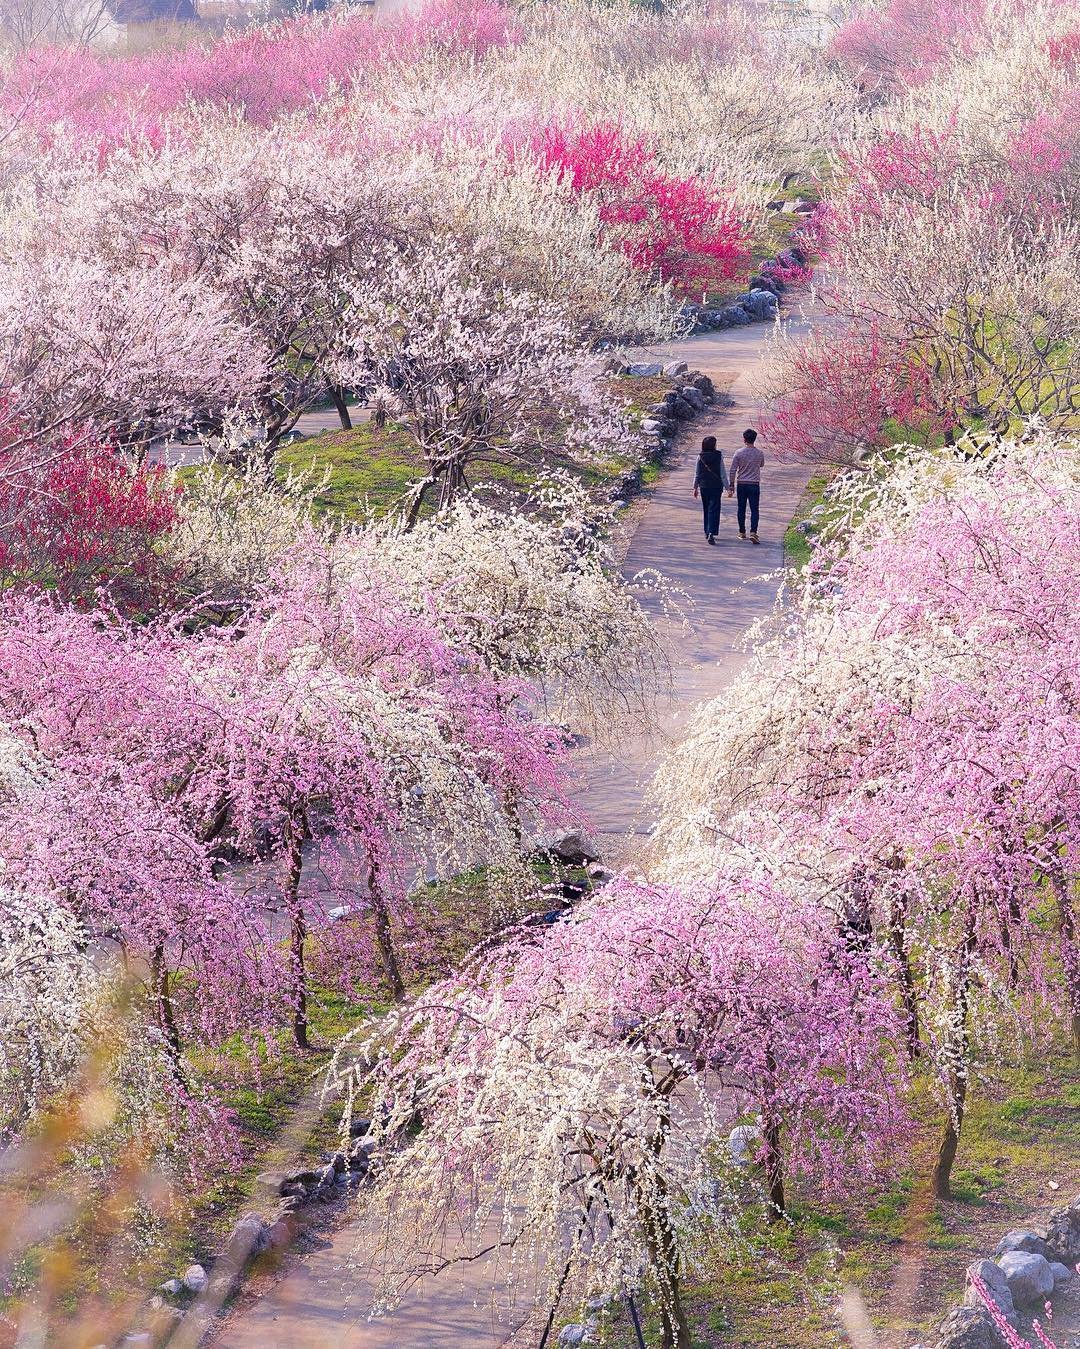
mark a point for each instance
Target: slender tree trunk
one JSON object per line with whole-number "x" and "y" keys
{"x": 163, "y": 993}
{"x": 674, "y": 1328}
{"x": 384, "y": 937}
{"x": 337, "y": 397}
{"x": 956, "y": 1084}
{"x": 297, "y": 834}
{"x": 774, "y": 1160}
{"x": 908, "y": 995}
{"x": 453, "y": 483}
{"x": 416, "y": 506}
{"x": 1070, "y": 953}
{"x": 663, "y": 1248}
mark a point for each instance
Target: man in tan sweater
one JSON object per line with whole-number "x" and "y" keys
{"x": 744, "y": 478}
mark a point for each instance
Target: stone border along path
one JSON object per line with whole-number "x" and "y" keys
{"x": 321, "y": 1301}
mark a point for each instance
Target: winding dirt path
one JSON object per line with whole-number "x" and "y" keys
{"x": 323, "y": 1298}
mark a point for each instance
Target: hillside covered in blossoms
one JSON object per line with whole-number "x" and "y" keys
{"x": 446, "y": 897}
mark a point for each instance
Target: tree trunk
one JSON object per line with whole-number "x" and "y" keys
{"x": 950, "y": 1141}
{"x": 384, "y": 937}
{"x": 908, "y": 995}
{"x": 453, "y": 483}
{"x": 166, "y": 1014}
{"x": 337, "y": 397}
{"x": 774, "y": 1161}
{"x": 1070, "y": 954}
{"x": 297, "y": 834}
{"x": 416, "y": 504}
{"x": 956, "y": 1084}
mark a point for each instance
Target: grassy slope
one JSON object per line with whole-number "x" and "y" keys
{"x": 369, "y": 471}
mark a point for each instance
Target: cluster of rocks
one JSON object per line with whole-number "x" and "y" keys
{"x": 1029, "y": 1264}
{"x": 759, "y": 302}
{"x": 292, "y": 1190}
{"x": 812, "y": 523}
{"x": 198, "y": 1293}
{"x": 692, "y": 394}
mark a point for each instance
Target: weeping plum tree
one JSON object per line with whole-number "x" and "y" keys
{"x": 351, "y": 723}
{"x": 945, "y": 623}
{"x": 328, "y": 712}
{"x": 478, "y": 371}
{"x": 574, "y": 1086}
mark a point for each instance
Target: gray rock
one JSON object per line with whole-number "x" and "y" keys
{"x": 195, "y": 1279}
{"x": 302, "y": 1178}
{"x": 574, "y": 849}
{"x": 968, "y": 1328}
{"x": 1022, "y": 1239}
{"x": 657, "y": 426}
{"x": 172, "y": 1286}
{"x": 743, "y": 1143}
{"x": 694, "y": 397}
{"x": 996, "y": 1284}
{"x": 327, "y": 1177}
{"x": 1062, "y": 1273}
{"x": 761, "y": 303}
{"x": 1028, "y": 1277}
{"x": 359, "y": 1127}
{"x": 283, "y": 1232}
{"x": 250, "y": 1237}
{"x": 1063, "y": 1233}
{"x": 806, "y": 527}
{"x": 644, "y": 369}
{"x": 676, "y": 368}
{"x": 735, "y": 316}
{"x": 270, "y": 1184}
{"x": 681, "y": 410}
{"x": 573, "y": 1335}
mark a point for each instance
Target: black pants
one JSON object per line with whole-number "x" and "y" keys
{"x": 744, "y": 492}
{"x": 710, "y": 509}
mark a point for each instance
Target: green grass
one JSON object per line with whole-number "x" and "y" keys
{"x": 797, "y": 547}
{"x": 369, "y": 471}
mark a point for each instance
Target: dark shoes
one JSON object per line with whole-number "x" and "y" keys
{"x": 711, "y": 538}
{"x": 754, "y": 538}
{"x": 742, "y": 533}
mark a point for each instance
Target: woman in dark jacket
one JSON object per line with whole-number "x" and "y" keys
{"x": 710, "y": 483}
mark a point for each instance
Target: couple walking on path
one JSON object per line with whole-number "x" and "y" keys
{"x": 712, "y": 479}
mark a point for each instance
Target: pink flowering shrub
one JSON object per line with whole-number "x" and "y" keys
{"x": 1064, "y": 52}
{"x": 593, "y": 1072}
{"x": 905, "y": 42}
{"x": 261, "y": 74}
{"x": 676, "y": 228}
{"x": 787, "y": 269}
{"x": 839, "y": 393}
{"x": 76, "y": 519}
